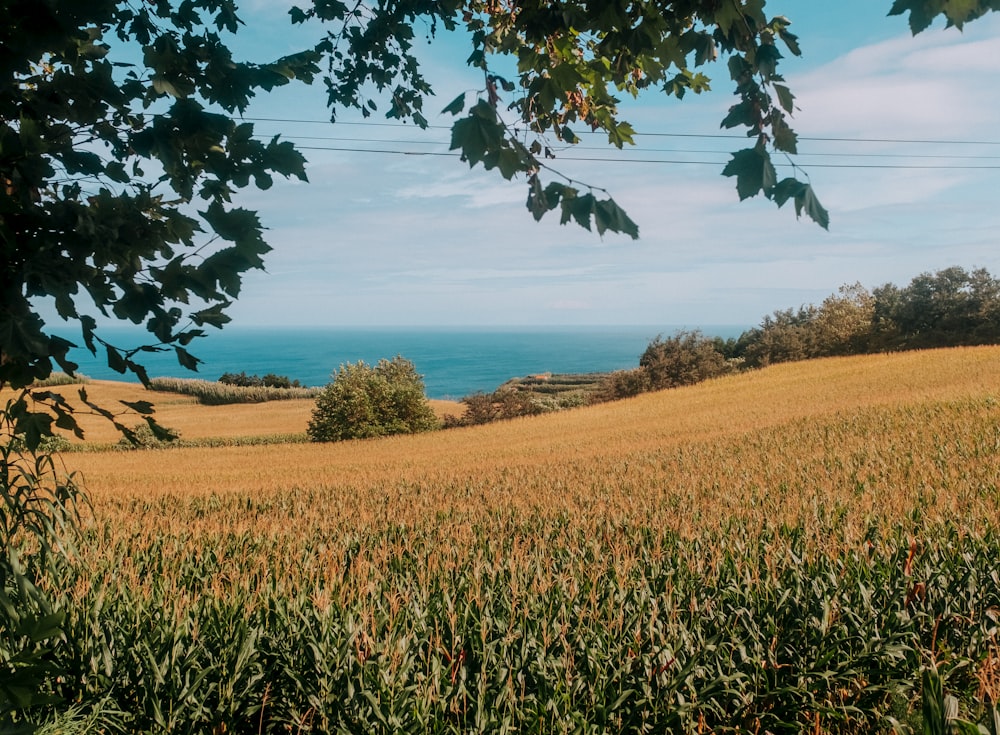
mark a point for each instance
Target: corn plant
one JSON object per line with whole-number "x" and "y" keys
{"x": 37, "y": 508}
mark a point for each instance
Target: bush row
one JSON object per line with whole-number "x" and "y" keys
{"x": 216, "y": 394}
{"x": 948, "y": 308}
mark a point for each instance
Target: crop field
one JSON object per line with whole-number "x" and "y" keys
{"x": 784, "y": 550}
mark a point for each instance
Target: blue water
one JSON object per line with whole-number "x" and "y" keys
{"x": 454, "y": 361}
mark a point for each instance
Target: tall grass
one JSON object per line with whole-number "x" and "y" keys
{"x": 57, "y": 379}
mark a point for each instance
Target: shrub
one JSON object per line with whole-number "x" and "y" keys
{"x": 621, "y": 384}
{"x": 365, "y": 401}
{"x": 145, "y": 436}
{"x": 509, "y": 401}
{"x": 686, "y": 358}
{"x": 270, "y": 380}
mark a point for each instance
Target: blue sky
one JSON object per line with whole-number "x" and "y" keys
{"x": 387, "y": 239}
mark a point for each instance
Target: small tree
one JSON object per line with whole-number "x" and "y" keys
{"x": 843, "y": 324}
{"x": 622, "y": 384}
{"x": 685, "y": 358}
{"x": 365, "y": 401}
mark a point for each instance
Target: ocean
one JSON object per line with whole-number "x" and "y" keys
{"x": 455, "y": 361}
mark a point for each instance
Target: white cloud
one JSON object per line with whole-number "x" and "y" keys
{"x": 935, "y": 85}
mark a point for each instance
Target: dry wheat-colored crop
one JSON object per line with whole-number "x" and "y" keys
{"x": 866, "y": 435}
{"x": 725, "y": 410}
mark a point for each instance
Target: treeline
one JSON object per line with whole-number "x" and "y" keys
{"x": 945, "y": 309}
{"x": 949, "y": 308}
{"x": 242, "y": 380}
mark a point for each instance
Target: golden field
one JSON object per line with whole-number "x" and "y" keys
{"x": 192, "y": 420}
{"x": 732, "y": 412}
{"x": 865, "y": 437}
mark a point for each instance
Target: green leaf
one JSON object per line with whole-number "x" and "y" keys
{"x": 752, "y": 169}
{"x": 728, "y": 14}
{"x": 705, "y": 50}
{"x": 213, "y": 316}
{"x": 161, "y": 433}
{"x": 115, "y": 360}
{"x": 47, "y": 626}
{"x": 807, "y": 202}
{"x": 786, "y": 189}
{"x": 162, "y": 86}
{"x": 478, "y": 134}
{"x": 34, "y": 426}
{"x": 580, "y": 208}
{"x": 767, "y": 58}
{"x": 235, "y": 224}
{"x": 510, "y": 162}
{"x": 921, "y": 14}
{"x": 542, "y": 200}
{"x": 785, "y": 139}
{"x": 143, "y": 407}
{"x": 186, "y": 359}
{"x": 791, "y": 41}
{"x": 609, "y": 216}
{"x": 959, "y": 12}
{"x": 456, "y": 105}
{"x": 742, "y": 113}
{"x": 932, "y": 703}
{"x": 83, "y": 162}
{"x": 785, "y": 98}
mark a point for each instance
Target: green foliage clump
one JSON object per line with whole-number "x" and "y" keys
{"x": 365, "y": 401}
{"x": 944, "y": 309}
{"x": 686, "y": 358}
{"x": 528, "y": 396}
{"x": 255, "y": 381}
{"x": 622, "y": 384}
{"x": 506, "y": 402}
{"x": 149, "y": 436}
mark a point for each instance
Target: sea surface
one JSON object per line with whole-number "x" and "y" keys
{"x": 455, "y": 361}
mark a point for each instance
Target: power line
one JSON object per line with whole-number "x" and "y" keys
{"x": 654, "y": 160}
{"x": 657, "y": 134}
{"x": 658, "y": 150}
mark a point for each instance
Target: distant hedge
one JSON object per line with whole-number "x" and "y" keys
{"x": 270, "y": 380}
{"x": 218, "y": 394}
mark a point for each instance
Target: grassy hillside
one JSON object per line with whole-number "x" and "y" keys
{"x": 192, "y": 420}
{"x": 783, "y": 550}
{"x": 721, "y": 413}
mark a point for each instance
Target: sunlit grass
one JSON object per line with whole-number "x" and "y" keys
{"x": 191, "y": 420}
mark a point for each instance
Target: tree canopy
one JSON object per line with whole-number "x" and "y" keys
{"x": 365, "y": 401}
{"x": 122, "y": 144}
